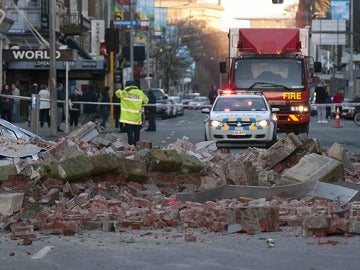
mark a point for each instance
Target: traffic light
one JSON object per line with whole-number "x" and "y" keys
{"x": 112, "y": 36}
{"x": 277, "y": 1}
{"x": 103, "y": 48}
{"x": 119, "y": 15}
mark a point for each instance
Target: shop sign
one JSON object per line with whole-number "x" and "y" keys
{"x": 35, "y": 55}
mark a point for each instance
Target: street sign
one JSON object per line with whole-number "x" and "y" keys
{"x": 125, "y": 22}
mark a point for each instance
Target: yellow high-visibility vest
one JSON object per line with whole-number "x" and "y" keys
{"x": 131, "y": 101}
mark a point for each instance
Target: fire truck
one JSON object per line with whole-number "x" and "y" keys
{"x": 273, "y": 60}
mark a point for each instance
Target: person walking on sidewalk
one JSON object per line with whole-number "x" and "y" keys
{"x": 60, "y": 105}
{"x": 338, "y": 99}
{"x": 105, "y": 108}
{"x": 213, "y": 93}
{"x": 320, "y": 99}
{"x": 44, "y": 105}
{"x": 131, "y": 101}
{"x": 16, "y": 103}
{"x": 90, "y": 110}
{"x": 74, "y": 108}
{"x": 6, "y": 103}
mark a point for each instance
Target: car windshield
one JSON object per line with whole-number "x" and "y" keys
{"x": 272, "y": 72}
{"x": 200, "y": 99}
{"x": 240, "y": 104}
{"x": 190, "y": 96}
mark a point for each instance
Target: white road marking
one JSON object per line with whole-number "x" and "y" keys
{"x": 42, "y": 252}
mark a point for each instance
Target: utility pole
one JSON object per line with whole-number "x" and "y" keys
{"x": 351, "y": 52}
{"x": 131, "y": 42}
{"x": 52, "y": 69}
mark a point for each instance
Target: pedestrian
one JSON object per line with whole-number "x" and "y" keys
{"x": 74, "y": 108}
{"x": 105, "y": 108}
{"x": 117, "y": 106}
{"x": 150, "y": 111}
{"x": 34, "y": 90}
{"x": 131, "y": 101}
{"x": 6, "y": 103}
{"x": 213, "y": 94}
{"x": 60, "y": 105}
{"x": 328, "y": 100}
{"x": 16, "y": 103}
{"x": 90, "y": 109}
{"x": 44, "y": 105}
{"x": 320, "y": 92}
{"x": 338, "y": 99}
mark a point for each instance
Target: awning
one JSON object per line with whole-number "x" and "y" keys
{"x": 80, "y": 64}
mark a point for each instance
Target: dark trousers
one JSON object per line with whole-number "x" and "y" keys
{"x": 6, "y": 114}
{"x": 151, "y": 119}
{"x": 116, "y": 116}
{"x": 74, "y": 117}
{"x": 44, "y": 115}
{"x": 105, "y": 112}
{"x": 133, "y": 133}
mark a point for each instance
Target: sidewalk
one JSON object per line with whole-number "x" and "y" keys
{"x": 44, "y": 132}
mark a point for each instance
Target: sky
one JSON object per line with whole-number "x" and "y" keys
{"x": 245, "y": 9}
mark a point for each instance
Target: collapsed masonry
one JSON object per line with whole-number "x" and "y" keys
{"x": 90, "y": 181}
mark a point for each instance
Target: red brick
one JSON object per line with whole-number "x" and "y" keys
{"x": 189, "y": 237}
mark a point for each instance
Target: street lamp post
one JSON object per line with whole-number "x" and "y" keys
{"x": 52, "y": 69}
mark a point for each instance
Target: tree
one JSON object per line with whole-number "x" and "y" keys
{"x": 190, "y": 45}
{"x": 173, "y": 60}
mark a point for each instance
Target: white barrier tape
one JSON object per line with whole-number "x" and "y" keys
{"x": 334, "y": 104}
{"x": 108, "y": 103}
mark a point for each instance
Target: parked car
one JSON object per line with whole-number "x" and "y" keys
{"x": 241, "y": 119}
{"x": 178, "y": 105}
{"x": 199, "y": 102}
{"x": 347, "y": 112}
{"x": 169, "y": 108}
{"x": 189, "y": 97}
{"x": 160, "y": 101}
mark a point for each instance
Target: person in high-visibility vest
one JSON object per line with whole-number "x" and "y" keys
{"x": 131, "y": 103}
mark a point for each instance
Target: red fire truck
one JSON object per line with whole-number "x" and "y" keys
{"x": 273, "y": 61}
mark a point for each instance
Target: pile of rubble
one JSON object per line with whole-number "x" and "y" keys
{"x": 92, "y": 181}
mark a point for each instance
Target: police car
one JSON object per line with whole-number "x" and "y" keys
{"x": 241, "y": 118}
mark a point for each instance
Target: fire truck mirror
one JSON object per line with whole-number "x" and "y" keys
{"x": 222, "y": 67}
{"x": 317, "y": 67}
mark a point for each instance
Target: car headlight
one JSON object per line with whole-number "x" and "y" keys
{"x": 300, "y": 108}
{"x": 215, "y": 123}
{"x": 263, "y": 123}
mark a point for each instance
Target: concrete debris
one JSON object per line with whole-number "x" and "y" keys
{"x": 94, "y": 181}
{"x": 10, "y": 203}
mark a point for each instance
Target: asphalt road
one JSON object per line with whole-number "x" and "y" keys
{"x": 164, "y": 250}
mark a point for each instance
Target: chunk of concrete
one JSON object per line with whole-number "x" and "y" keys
{"x": 136, "y": 171}
{"x": 10, "y": 203}
{"x": 190, "y": 164}
{"x": 337, "y": 151}
{"x": 280, "y": 150}
{"x": 314, "y": 189}
{"x": 105, "y": 163}
{"x": 240, "y": 173}
{"x": 85, "y": 132}
{"x": 7, "y": 169}
{"x": 76, "y": 168}
{"x": 163, "y": 160}
{"x": 314, "y": 167}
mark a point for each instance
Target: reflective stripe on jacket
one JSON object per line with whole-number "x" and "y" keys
{"x": 131, "y": 101}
